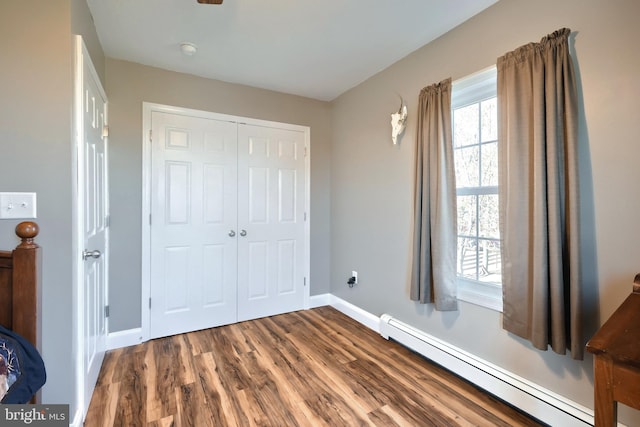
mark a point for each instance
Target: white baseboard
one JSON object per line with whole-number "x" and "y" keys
{"x": 539, "y": 402}
{"x": 77, "y": 419}
{"x": 125, "y": 338}
{"x": 353, "y": 311}
{"x": 367, "y": 319}
{"x": 319, "y": 300}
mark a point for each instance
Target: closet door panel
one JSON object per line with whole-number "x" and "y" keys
{"x": 271, "y": 212}
{"x": 193, "y": 223}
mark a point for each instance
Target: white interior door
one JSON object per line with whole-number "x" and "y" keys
{"x": 93, "y": 194}
{"x": 193, "y": 223}
{"x": 271, "y": 202}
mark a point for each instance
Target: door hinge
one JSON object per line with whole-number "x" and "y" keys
{"x": 305, "y": 151}
{"x": 305, "y": 281}
{"x": 305, "y": 216}
{"x": 149, "y": 303}
{"x": 105, "y": 131}
{"x": 107, "y": 221}
{"x": 150, "y": 135}
{"x": 106, "y": 311}
{"x": 149, "y": 219}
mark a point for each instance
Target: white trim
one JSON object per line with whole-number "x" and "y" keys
{"x": 124, "y": 338}
{"x": 488, "y": 295}
{"x": 363, "y": 317}
{"x": 319, "y": 300}
{"x": 474, "y": 87}
{"x": 367, "y": 319}
{"x": 77, "y": 238}
{"x": 147, "y": 109}
{"x": 307, "y": 216}
{"x": 146, "y": 228}
{"x": 77, "y": 419}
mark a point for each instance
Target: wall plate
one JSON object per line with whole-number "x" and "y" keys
{"x": 18, "y": 206}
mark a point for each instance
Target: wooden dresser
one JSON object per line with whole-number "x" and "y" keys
{"x": 616, "y": 347}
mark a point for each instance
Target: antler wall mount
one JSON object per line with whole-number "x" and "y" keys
{"x": 398, "y": 122}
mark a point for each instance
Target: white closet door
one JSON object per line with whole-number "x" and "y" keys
{"x": 271, "y": 175}
{"x": 193, "y": 223}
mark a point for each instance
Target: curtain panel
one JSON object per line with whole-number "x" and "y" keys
{"x": 538, "y": 186}
{"x": 433, "y": 276}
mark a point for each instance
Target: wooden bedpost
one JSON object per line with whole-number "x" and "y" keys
{"x": 27, "y": 268}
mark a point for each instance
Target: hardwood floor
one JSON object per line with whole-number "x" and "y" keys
{"x": 308, "y": 368}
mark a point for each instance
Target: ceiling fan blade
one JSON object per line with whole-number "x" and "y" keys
{"x": 210, "y": 1}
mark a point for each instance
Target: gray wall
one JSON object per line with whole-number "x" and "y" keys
{"x": 82, "y": 23}
{"x": 128, "y": 86}
{"x": 372, "y": 180}
{"x": 36, "y": 94}
{"x": 35, "y": 155}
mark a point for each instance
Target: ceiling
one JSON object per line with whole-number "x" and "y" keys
{"x": 317, "y": 49}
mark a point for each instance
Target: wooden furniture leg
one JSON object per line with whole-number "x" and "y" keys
{"x": 606, "y": 408}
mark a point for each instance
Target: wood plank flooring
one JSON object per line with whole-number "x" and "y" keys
{"x": 309, "y": 368}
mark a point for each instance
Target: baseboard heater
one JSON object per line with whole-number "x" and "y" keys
{"x": 537, "y": 401}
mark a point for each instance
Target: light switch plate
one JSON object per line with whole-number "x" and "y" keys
{"x": 17, "y": 205}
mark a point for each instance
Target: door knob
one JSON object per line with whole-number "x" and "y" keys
{"x": 91, "y": 254}
{"x": 232, "y": 233}
{"x": 243, "y": 233}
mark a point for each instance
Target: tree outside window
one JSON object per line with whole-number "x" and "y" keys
{"x": 475, "y": 142}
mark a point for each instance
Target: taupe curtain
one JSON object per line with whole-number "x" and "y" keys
{"x": 433, "y": 277}
{"x": 538, "y": 185}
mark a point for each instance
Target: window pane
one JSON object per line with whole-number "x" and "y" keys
{"x": 467, "y": 164}
{"x": 489, "y": 176}
{"x": 467, "y": 258}
{"x": 488, "y": 216}
{"x": 465, "y": 125}
{"x": 490, "y": 262}
{"x": 467, "y": 215}
{"x": 489, "y": 117}
{"x": 475, "y": 143}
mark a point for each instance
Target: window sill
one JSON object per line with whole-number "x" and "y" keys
{"x": 488, "y": 295}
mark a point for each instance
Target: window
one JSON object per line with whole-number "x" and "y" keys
{"x": 475, "y": 141}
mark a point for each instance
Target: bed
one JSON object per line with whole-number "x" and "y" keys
{"x": 20, "y": 285}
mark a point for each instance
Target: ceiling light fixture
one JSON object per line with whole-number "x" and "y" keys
{"x": 188, "y": 49}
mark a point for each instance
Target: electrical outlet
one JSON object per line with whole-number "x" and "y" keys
{"x": 353, "y": 280}
{"x": 17, "y": 205}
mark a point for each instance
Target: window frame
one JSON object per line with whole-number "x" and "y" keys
{"x": 468, "y": 90}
